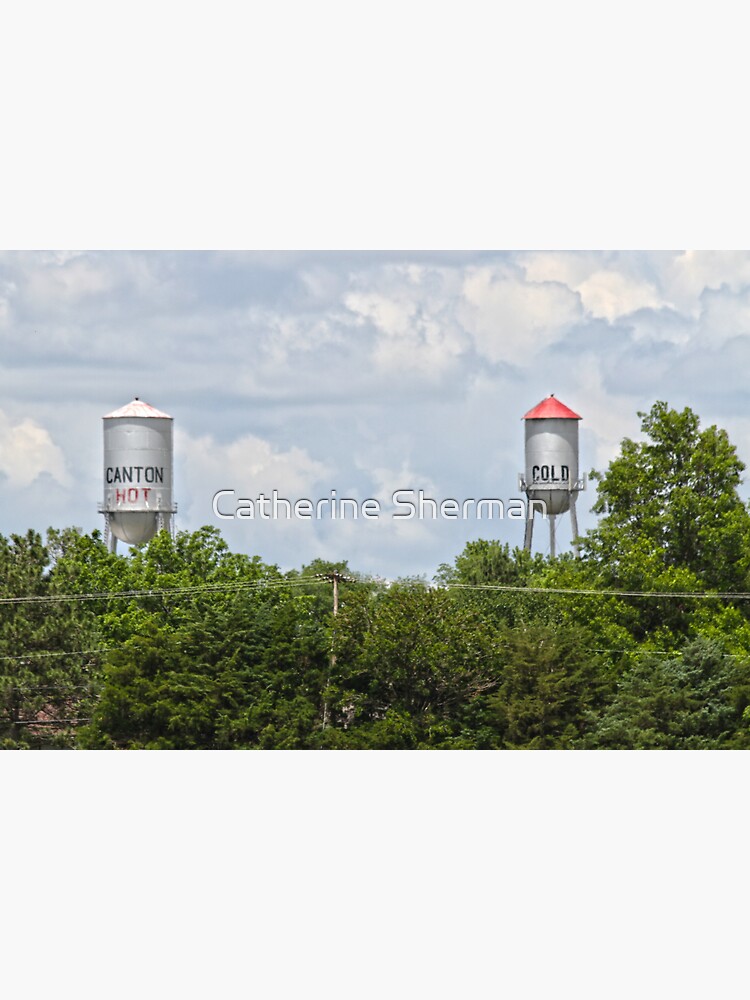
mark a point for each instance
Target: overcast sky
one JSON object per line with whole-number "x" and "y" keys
{"x": 360, "y": 373}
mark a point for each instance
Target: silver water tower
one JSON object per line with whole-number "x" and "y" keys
{"x": 138, "y": 470}
{"x": 551, "y": 476}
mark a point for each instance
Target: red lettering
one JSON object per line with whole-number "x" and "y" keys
{"x": 120, "y": 496}
{"x": 132, "y": 495}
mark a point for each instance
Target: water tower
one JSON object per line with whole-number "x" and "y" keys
{"x": 138, "y": 465}
{"x": 551, "y": 474}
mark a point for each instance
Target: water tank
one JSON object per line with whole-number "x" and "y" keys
{"x": 138, "y": 467}
{"x": 551, "y": 467}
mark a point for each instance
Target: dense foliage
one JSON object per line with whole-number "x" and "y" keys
{"x": 185, "y": 645}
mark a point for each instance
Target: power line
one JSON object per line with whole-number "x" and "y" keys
{"x": 675, "y": 595}
{"x": 43, "y": 722}
{"x": 196, "y": 589}
{"x": 34, "y": 654}
{"x": 110, "y": 595}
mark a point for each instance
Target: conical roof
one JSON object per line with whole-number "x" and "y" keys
{"x": 137, "y": 408}
{"x": 551, "y": 409}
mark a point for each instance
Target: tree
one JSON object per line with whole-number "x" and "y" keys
{"x": 673, "y": 518}
{"x": 551, "y": 683}
{"x": 47, "y": 672}
{"x": 690, "y": 700}
{"x": 409, "y": 662}
{"x": 484, "y": 563}
{"x": 233, "y": 659}
{"x": 672, "y": 521}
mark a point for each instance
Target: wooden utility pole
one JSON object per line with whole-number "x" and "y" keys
{"x": 335, "y": 577}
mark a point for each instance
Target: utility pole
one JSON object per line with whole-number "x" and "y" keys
{"x": 335, "y": 578}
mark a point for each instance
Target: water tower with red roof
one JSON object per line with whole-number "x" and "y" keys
{"x": 551, "y": 477}
{"x": 138, "y": 469}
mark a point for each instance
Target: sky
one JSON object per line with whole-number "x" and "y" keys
{"x": 363, "y": 373}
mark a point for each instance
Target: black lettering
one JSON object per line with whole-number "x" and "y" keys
{"x": 535, "y": 473}
{"x": 545, "y": 472}
{"x": 134, "y": 474}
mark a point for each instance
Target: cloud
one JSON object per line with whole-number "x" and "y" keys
{"x": 386, "y": 481}
{"x": 609, "y": 286}
{"x": 688, "y": 275}
{"x": 510, "y": 318}
{"x": 249, "y": 465}
{"x": 725, "y": 314}
{"x": 610, "y": 294}
{"x": 411, "y": 309}
{"x": 27, "y": 451}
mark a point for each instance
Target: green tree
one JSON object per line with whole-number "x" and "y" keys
{"x": 47, "y": 672}
{"x": 410, "y": 661}
{"x": 487, "y": 563}
{"x": 690, "y": 700}
{"x": 484, "y": 561}
{"x": 235, "y": 657}
{"x": 552, "y": 681}
{"x": 673, "y": 518}
{"x": 671, "y": 521}
{"x": 245, "y": 673}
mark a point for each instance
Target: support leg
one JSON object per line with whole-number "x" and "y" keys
{"x": 110, "y": 538}
{"x": 552, "y": 540}
{"x": 529, "y": 530}
{"x": 574, "y": 523}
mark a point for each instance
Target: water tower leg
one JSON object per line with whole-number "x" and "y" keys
{"x": 552, "y": 546}
{"x": 110, "y": 538}
{"x": 574, "y": 523}
{"x": 165, "y": 522}
{"x": 529, "y": 529}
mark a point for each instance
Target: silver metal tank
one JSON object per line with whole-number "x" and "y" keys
{"x": 138, "y": 471}
{"x": 551, "y": 466}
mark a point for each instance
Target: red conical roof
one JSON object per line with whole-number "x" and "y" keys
{"x": 136, "y": 408}
{"x": 551, "y": 409}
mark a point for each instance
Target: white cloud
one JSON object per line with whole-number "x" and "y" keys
{"x": 571, "y": 269}
{"x": 249, "y": 465}
{"x": 687, "y": 276}
{"x": 611, "y": 294}
{"x": 69, "y": 280}
{"x": 510, "y": 318}
{"x": 387, "y": 480}
{"x": 284, "y": 335}
{"x": 28, "y": 451}
{"x": 725, "y": 314}
{"x": 412, "y": 309}
{"x": 609, "y": 287}
{"x": 7, "y": 290}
